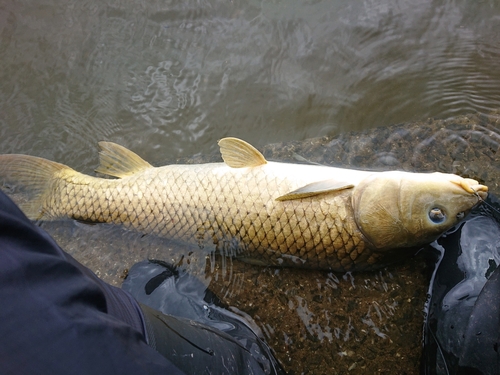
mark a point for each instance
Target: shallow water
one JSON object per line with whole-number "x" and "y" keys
{"x": 351, "y": 321}
{"x": 167, "y": 79}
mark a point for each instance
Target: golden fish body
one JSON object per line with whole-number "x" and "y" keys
{"x": 265, "y": 212}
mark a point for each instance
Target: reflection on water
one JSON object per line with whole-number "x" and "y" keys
{"x": 168, "y": 79}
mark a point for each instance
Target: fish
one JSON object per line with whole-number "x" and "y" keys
{"x": 260, "y": 211}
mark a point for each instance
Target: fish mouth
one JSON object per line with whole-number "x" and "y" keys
{"x": 472, "y": 187}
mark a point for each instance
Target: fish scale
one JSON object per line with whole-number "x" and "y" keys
{"x": 263, "y": 212}
{"x": 264, "y": 228}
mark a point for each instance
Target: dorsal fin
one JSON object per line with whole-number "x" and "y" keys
{"x": 315, "y": 188}
{"x": 240, "y": 154}
{"x": 117, "y": 161}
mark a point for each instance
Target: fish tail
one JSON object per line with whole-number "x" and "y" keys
{"x": 30, "y": 180}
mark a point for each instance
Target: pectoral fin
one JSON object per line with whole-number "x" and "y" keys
{"x": 240, "y": 154}
{"x": 117, "y": 161}
{"x": 320, "y": 187}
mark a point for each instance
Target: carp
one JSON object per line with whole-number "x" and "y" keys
{"x": 269, "y": 213}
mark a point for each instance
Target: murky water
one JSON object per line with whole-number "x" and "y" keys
{"x": 168, "y": 78}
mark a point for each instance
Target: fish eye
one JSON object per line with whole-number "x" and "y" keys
{"x": 437, "y": 215}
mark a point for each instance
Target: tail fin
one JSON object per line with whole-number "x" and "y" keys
{"x": 31, "y": 177}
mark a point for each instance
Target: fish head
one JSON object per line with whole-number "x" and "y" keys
{"x": 402, "y": 209}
